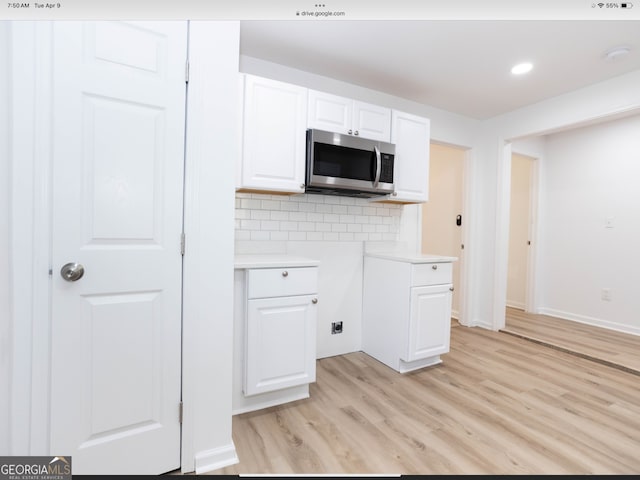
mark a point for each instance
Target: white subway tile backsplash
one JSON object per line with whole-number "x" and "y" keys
{"x": 323, "y": 208}
{"x": 313, "y": 217}
{"x": 260, "y": 215}
{"x": 270, "y": 205}
{"x": 259, "y": 235}
{"x": 277, "y": 215}
{"x": 340, "y": 209}
{"x": 270, "y": 225}
{"x": 297, "y": 216}
{"x": 296, "y": 236}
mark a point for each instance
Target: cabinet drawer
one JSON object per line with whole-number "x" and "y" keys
{"x": 280, "y": 282}
{"x": 431, "y": 274}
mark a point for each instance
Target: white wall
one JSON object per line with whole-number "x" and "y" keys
{"x": 613, "y": 98}
{"x": 591, "y": 175}
{"x": 5, "y": 315}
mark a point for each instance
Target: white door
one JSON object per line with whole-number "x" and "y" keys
{"x": 519, "y": 230}
{"x": 442, "y": 216}
{"x": 118, "y": 154}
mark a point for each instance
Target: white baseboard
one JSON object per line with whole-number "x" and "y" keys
{"x": 589, "y": 320}
{"x": 514, "y": 304}
{"x": 216, "y": 458}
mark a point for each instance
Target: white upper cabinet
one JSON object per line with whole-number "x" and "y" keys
{"x": 351, "y": 117}
{"x": 273, "y": 136}
{"x": 411, "y": 136}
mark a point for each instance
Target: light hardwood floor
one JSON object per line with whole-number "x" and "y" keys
{"x": 617, "y": 349}
{"x": 498, "y": 404}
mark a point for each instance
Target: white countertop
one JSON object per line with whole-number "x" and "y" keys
{"x": 273, "y": 261}
{"x": 412, "y": 257}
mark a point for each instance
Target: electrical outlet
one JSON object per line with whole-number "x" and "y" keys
{"x": 606, "y": 294}
{"x": 336, "y": 327}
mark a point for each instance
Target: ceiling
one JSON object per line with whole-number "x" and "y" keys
{"x": 462, "y": 66}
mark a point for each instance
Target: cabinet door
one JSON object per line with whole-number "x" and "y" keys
{"x": 274, "y": 136}
{"x": 371, "y": 121}
{"x": 343, "y": 115}
{"x": 330, "y": 112}
{"x": 281, "y": 343}
{"x": 429, "y": 322}
{"x": 410, "y": 134}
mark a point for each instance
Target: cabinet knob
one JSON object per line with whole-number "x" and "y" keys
{"x": 302, "y": 186}
{"x": 395, "y": 194}
{"x": 356, "y": 132}
{"x": 285, "y": 274}
{"x": 451, "y": 288}
{"x": 434, "y": 267}
{"x": 350, "y": 132}
{"x": 314, "y": 300}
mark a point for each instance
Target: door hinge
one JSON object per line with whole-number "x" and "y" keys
{"x": 182, "y": 241}
{"x": 186, "y": 72}
{"x": 180, "y": 409}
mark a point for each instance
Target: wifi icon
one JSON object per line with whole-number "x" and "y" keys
{"x": 601, "y": 5}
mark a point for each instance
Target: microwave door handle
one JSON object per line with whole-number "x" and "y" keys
{"x": 378, "y": 167}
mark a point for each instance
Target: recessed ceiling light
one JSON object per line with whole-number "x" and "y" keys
{"x": 521, "y": 68}
{"x": 616, "y": 53}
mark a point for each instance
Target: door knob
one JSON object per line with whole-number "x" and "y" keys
{"x": 72, "y": 272}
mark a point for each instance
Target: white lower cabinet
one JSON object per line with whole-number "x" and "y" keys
{"x": 274, "y": 334}
{"x": 429, "y": 322}
{"x": 280, "y": 343}
{"x": 407, "y": 310}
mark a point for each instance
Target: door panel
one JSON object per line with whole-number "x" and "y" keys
{"x": 430, "y": 322}
{"x": 118, "y": 156}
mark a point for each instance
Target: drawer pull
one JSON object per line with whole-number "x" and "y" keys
{"x": 314, "y": 300}
{"x": 434, "y": 267}
{"x": 285, "y": 274}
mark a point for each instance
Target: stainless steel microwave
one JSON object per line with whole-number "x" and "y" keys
{"x": 339, "y": 164}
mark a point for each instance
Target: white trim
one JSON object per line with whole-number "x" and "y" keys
{"x": 41, "y": 373}
{"x": 469, "y": 232}
{"x": 575, "y": 317}
{"x": 514, "y": 304}
{"x": 30, "y": 247}
{"x": 216, "y": 458}
{"x": 501, "y": 259}
{"x": 211, "y": 155}
{"x": 6, "y": 314}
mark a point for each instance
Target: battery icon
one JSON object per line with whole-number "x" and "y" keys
{"x": 626, "y": 5}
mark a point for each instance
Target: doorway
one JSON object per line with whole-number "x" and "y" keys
{"x": 521, "y": 226}
{"x": 442, "y": 216}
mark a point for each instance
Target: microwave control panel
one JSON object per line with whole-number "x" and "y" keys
{"x": 386, "y": 170}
